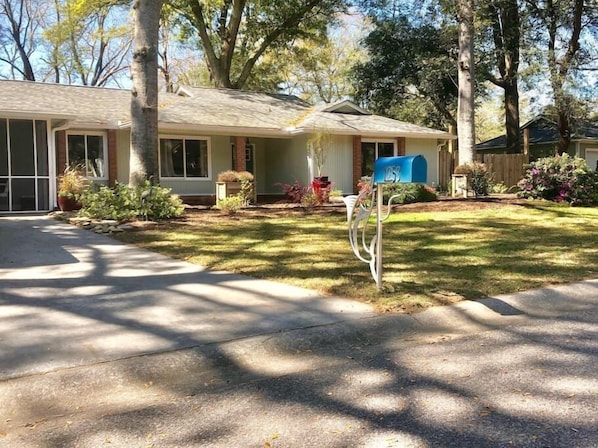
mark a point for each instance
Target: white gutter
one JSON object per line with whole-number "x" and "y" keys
{"x": 198, "y": 129}
{"x": 52, "y": 162}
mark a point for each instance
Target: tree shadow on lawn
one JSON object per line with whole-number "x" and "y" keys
{"x": 510, "y": 257}
{"x": 425, "y": 261}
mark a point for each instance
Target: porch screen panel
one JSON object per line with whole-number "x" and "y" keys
{"x": 23, "y": 194}
{"x": 3, "y": 148}
{"x": 41, "y": 143}
{"x": 22, "y": 154}
{"x": 43, "y": 194}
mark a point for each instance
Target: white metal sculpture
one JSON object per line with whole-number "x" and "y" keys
{"x": 359, "y": 211}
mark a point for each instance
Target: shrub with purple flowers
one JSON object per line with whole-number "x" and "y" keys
{"x": 560, "y": 179}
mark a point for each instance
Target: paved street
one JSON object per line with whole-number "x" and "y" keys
{"x": 102, "y": 344}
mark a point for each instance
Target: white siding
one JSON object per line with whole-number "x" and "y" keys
{"x": 592, "y": 157}
{"x": 286, "y": 161}
{"x": 429, "y": 149}
{"x": 339, "y": 164}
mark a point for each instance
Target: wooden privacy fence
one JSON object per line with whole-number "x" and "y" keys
{"x": 505, "y": 168}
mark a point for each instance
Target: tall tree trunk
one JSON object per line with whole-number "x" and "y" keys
{"x": 144, "y": 93}
{"x": 507, "y": 36}
{"x": 512, "y": 115}
{"x": 465, "y": 105}
{"x": 559, "y": 67}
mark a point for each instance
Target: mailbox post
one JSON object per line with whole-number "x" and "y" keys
{"x": 387, "y": 171}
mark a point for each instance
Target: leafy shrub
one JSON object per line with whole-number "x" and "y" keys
{"x": 294, "y": 192}
{"x": 409, "y": 193}
{"x": 477, "y": 177}
{"x": 560, "y": 179}
{"x": 499, "y": 188}
{"x": 158, "y": 203}
{"x": 231, "y": 204}
{"x": 106, "y": 203}
{"x": 124, "y": 203}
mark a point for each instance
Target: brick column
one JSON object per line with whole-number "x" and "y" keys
{"x": 112, "y": 162}
{"x": 239, "y": 162}
{"x": 60, "y": 152}
{"x": 401, "y": 146}
{"x": 357, "y": 161}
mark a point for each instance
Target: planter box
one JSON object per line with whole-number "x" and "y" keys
{"x": 226, "y": 189}
{"x": 460, "y": 185}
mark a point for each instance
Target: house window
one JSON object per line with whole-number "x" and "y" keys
{"x": 88, "y": 151}
{"x": 184, "y": 158}
{"x": 371, "y": 150}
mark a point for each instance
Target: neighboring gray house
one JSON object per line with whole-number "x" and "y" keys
{"x": 203, "y": 131}
{"x": 540, "y": 136}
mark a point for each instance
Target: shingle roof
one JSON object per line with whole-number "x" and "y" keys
{"x": 365, "y": 125}
{"x": 83, "y": 104}
{"x": 202, "y": 109}
{"x": 235, "y": 108}
{"x": 542, "y": 130}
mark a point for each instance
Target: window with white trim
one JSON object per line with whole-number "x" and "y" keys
{"x": 371, "y": 150}
{"x": 87, "y": 151}
{"x": 184, "y": 158}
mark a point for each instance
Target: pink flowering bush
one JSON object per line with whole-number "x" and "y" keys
{"x": 560, "y": 179}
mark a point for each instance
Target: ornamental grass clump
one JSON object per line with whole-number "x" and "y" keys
{"x": 560, "y": 179}
{"x": 72, "y": 183}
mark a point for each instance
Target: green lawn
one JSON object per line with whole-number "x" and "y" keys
{"x": 429, "y": 258}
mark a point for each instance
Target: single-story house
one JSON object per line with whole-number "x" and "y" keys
{"x": 540, "y": 136}
{"x": 203, "y": 131}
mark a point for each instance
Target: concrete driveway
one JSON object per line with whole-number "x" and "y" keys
{"x": 70, "y": 297}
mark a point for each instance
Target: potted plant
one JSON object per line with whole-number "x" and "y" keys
{"x": 318, "y": 146}
{"x": 71, "y": 184}
{"x": 230, "y": 183}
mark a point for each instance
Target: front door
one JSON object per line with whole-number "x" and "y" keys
{"x": 24, "y": 166}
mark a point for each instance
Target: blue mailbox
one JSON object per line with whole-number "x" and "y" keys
{"x": 401, "y": 169}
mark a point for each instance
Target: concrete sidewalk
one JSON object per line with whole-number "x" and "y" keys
{"x": 104, "y": 344}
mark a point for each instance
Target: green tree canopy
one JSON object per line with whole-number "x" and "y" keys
{"x": 411, "y": 71}
{"x": 234, "y": 35}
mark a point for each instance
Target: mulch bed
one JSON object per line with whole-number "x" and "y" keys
{"x": 197, "y": 214}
